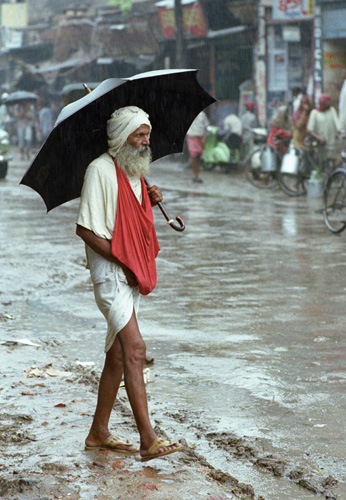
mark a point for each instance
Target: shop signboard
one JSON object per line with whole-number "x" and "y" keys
{"x": 193, "y": 21}
{"x": 11, "y": 39}
{"x": 318, "y": 53}
{"x": 286, "y": 10}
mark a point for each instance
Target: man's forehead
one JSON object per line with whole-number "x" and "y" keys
{"x": 145, "y": 129}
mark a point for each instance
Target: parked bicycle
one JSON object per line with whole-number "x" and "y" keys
{"x": 298, "y": 164}
{"x": 334, "y": 211}
{"x": 289, "y": 167}
{"x": 262, "y": 164}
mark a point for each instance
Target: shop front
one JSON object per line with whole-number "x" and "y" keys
{"x": 288, "y": 51}
{"x": 333, "y": 33}
{"x": 219, "y": 37}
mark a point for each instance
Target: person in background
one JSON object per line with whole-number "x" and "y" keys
{"x": 342, "y": 102}
{"x": 297, "y": 95}
{"x": 280, "y": 126}
{"x": 195, "y": 138}
{"x": 45, "y": 117}
{"x": 233, "y": 127}
{"x": 248, "y": 121}
{"x": 324, "y": 123}
{"x": 300, "y": 120}
{"x": 25, "y": 117}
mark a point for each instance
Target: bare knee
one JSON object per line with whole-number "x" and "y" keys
{"x": 134, "y": 354}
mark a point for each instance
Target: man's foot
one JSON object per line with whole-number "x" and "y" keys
{"x": 113, "y": 443}
{"x": 160, "y": 448}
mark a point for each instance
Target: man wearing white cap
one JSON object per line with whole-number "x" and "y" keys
{"x": 115, "y": 221}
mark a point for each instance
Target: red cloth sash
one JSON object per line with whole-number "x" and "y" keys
{"x": 134, "y": 241}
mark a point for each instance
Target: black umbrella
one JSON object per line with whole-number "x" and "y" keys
{"x": 172, "y": 98}
{"x": 19, "y": 96}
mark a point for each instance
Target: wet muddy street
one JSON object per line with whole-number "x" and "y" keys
{"x": 246, "y": 326}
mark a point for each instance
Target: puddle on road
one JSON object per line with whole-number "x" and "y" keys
{"x": 246, "y": 326}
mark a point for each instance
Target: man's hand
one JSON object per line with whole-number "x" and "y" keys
{"x": 155, "y": 195}
{"x": 131, "y": 278}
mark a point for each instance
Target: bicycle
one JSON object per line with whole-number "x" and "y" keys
{"x": 298, "y": 164}
{"x": 334, "y": 211}
{"x": 262, "y": 163}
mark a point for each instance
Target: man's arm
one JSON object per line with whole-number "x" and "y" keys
{"x": 104, "y": 248}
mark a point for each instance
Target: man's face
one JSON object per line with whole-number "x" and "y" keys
{"x": 140, "y": 137}
{"x": 325, "y": 104}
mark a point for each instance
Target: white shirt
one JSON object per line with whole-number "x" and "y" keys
{"x": 199, "y": 125}
{"x": 233, "y": 124}
{"x": 98, "y": 204}
{"x": 324, "y": 124}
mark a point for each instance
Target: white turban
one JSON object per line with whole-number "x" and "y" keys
{"x": 124, "y": 122}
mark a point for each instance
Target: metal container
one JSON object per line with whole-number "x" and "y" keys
{"x": 315, "y": 188}
{"x": 256, "y": 160}
{"x": 290, "y": 162}
{"x": 268, "y": 160}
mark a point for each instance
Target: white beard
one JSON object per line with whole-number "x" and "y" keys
{"x": 134, "y": 162}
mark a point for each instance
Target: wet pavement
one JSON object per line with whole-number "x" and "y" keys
{"x": 247, "y": 329}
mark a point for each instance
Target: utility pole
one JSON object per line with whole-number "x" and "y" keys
{"x": 179, "y": 35}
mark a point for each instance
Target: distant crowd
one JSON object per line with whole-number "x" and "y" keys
{"x": 28, "y": 121}
{"x": 297, "y": 121}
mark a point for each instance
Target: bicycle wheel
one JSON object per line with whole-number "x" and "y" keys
{"x": 327, "y": 168}
{"x": 208, "y": 165}
{"x": 253, "y": 170}
{"x": 334, "y": 212}
{"x": 293, "y": 184}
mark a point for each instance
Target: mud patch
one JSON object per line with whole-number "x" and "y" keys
{"x": 12, "y": 429}
{"x": 37, "y": 488}
{"x": 240, "y": 490}
{"x": 240, "y": 449}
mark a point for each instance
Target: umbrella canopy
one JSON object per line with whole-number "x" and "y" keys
{"x": 172, "y": 98}
{"x": 19, "y": 96}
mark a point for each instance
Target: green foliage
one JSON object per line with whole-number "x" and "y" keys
{"x": 125, "y": 5}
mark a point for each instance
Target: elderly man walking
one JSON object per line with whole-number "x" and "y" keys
{"x": 115, "y": 221}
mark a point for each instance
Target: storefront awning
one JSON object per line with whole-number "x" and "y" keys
{"x": 226, "y": 32}
{"x": 169, "y": 4}
{"x": 141, "y": 62}
{"x": 52, "y": 66}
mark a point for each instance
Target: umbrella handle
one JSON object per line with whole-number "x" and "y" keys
{"x": 170, "y": 221}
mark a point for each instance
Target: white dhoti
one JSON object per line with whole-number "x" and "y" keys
{"x": 114, "y": 297}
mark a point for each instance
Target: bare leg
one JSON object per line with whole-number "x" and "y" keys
{"x": 133, "y": 348}
{"x": 195, "y": 163}
{"x": 108, "y": 388}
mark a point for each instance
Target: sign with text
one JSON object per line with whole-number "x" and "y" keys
{"x": 193, "y": 21}
{"x": 318, "y": 53}
{"x": 292, "y": 9}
